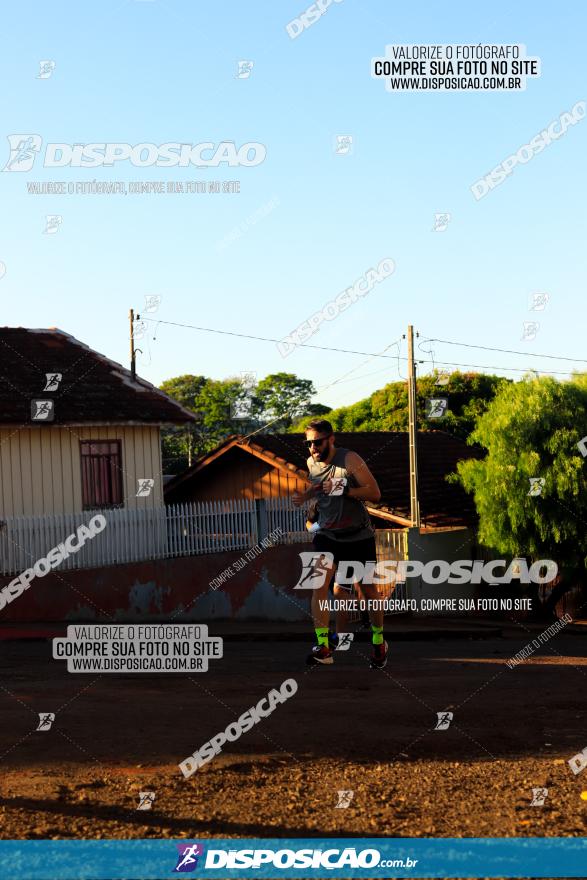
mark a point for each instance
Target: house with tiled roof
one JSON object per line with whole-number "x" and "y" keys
{"x": 78, "y": 433}
{"x": 266, "y": 466}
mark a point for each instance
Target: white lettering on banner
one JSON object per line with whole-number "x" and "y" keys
{"x": 307, "y": 857}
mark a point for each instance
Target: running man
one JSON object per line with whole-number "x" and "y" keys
{"x": 344, "y": 529}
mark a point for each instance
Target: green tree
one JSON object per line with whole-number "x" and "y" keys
{"x": 184, "y": 389}
{"x": 469, "y": 395}
{"x": 217, "y": 404}
{"x": 531, "y": 430}
{"x": 282, "y": 397}
{"x": 180, "y": 444}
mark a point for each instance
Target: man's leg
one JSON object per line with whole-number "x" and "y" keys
{"x": 379, "y": 655}
{"x": 342, "y": 615}
{"x": 322, "y": 651}
{"x": 320, "y": 612}
{"x": 365, "y": 619}
{"x": 371, "y": 593}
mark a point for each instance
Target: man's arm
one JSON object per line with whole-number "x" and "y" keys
{"x": 300, "y": 498}
{"x": 367, "y": 488}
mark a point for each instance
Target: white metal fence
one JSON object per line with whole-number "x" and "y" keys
{"x": 188, "y": 529}
{"x": 281, "y": 514}
{"x": 129, "y": 536}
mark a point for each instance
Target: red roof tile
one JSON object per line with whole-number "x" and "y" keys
{"x": 93, "y": 389}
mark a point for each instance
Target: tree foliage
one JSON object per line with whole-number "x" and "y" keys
{"x": 531, "y": 430}
{"x": 231, "y": 406}
{"x": 469, "y": 395}
{"x": 282, "y": 397}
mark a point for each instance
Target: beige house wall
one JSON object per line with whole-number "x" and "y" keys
{"x": 40, "y": 467}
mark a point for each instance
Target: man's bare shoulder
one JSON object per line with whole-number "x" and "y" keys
{"x": 353, "y": 460}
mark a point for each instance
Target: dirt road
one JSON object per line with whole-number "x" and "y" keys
{"x": 348, "y": 728}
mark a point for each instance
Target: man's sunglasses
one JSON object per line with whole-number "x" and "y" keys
{"x": 318, "y": 441}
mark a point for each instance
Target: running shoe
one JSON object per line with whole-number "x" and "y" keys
{"x": 379, "y": 656}
{"x": 320, "y": 654}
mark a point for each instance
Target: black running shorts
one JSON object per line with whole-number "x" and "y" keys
{"x": 347, "y": 551}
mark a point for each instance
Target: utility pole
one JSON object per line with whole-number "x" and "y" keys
{"x": 412, "y": 432}
{"x": 133, "y": 364}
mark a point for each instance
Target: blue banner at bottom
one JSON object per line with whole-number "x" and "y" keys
{"x": 358, "y": 857}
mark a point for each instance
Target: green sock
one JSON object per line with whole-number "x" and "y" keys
{"x": 377, "y": 634}
{"x": 322, "y": 635}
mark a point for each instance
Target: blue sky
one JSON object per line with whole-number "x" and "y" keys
{"x": 157, "y": 71}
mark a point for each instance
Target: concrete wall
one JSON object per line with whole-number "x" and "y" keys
{"x": 448, "y": 546}
{"x": 169, "y": 588}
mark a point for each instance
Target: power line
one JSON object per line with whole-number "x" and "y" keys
{"x": 555, "y": 357}
{"x": 494, "y": 367}
{"x": 269, "y": 339}
{"x": 389, "y": 356}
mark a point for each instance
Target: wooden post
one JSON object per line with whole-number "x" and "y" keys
{"x": 412, "y": 432}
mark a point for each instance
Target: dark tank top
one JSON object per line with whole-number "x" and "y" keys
{"x": 339, "y": 517}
